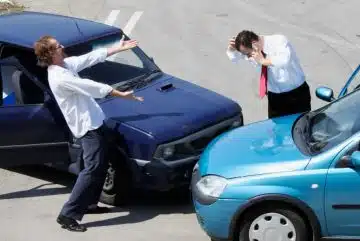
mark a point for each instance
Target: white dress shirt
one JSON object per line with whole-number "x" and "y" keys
{"x": 285, "y": 73}
{"x": 75, "y": 95}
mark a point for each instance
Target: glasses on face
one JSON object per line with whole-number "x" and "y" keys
{"x": 59, "y": 46}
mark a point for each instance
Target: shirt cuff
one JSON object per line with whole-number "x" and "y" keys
{"x": 232, "y": 55}
{"x": 105, "y": 90}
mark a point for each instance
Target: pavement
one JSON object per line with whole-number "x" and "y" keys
{"x": 194, "y": 36}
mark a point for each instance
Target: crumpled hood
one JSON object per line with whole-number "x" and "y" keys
{"x": 259, "y": 148}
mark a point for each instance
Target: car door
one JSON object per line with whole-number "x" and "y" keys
{"x": 30, "y": 133}
{"x": 342, "y": 195}
{"x": 352, "y": 83}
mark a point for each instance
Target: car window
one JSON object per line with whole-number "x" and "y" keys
{"x": 18, "y": 88}
{"x": 124, "y": 57}
{"x": 340, "y": 162}
{"x": 8, "y": 93}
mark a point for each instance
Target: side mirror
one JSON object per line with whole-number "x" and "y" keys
{"x": 355, "y": 159}
{"x": 152, "y": 59}
{"x": 344, "y": 162}
{"x": 352, "y": 161}
{"x": 325, "y": 93}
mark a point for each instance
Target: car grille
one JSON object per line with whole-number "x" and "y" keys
{"x": 196, "y": 146}
{"x": 201, "y": 143}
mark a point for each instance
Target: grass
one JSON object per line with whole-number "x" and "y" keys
{"x": 8, "y": 6}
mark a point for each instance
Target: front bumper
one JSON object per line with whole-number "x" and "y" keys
{"x": 215, "y": 216}
{"x": 164, "y": 176}
{"x": 216, "y": 219}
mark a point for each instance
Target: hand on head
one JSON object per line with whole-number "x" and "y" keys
{"x": 231, "y": 45}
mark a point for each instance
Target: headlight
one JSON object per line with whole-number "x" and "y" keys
{"x": 211, "y": 186}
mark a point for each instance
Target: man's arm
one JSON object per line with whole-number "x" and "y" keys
{"x": 280, "y": 56}
{"x": 282, "y": 53}
{"x": 78, "y": 63}
{"x": 121, "y": 46}
{"x": 127, "y": 95}
{"x": 232, "y": 53}
{"x": 92, "y": 88}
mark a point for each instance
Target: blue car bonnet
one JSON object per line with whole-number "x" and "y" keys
{"x": 259, "y": 148}
{"x": 172, "y": 114}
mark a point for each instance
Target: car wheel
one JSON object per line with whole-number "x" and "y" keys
{"x": 268, "y": 224}
{"x": 117, "y": 187}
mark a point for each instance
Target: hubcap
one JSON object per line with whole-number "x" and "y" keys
{"x": 109, "y": 180}
{"x": 272, "y": 227}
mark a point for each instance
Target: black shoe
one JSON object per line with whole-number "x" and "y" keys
{"x": 70, "y": 224}
{"x": 98, "y": 210}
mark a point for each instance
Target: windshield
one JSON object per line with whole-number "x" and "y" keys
{"x": 332, "y": 124}
{"x": 119, "y": 68}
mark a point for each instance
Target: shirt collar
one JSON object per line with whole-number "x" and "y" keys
{"x": 56, "y": 67}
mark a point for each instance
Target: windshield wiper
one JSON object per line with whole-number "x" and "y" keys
{"x": 148, "y": 78}
{"x": 129, "y": 85}
{"x": 140, "y": 81}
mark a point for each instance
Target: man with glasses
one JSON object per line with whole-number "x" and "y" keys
{"x": 76, "y": 98}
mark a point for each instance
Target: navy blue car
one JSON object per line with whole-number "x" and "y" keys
{"x": 155, "y": 144}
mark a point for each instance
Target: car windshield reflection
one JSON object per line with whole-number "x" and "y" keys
{"x": 118, "y": 69}
{"x": 332, "y": 124}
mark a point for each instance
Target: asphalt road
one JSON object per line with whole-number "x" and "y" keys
{"x": 187, "y": 39}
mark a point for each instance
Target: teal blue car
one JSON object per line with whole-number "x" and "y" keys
{"x": 292, "y": 178}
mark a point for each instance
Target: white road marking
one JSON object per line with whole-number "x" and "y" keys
{"x": 112, "y": 17}
{"x": 132, "y": 22}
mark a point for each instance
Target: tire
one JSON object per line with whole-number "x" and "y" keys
{"x": 117, "y": 189}
{"x": 255, "y": 222}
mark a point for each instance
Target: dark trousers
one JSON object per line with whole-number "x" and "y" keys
{"x": 91, "y": 179}
{"x": 291, "y": 102}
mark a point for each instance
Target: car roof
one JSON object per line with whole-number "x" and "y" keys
{"x": 24, "y": 28}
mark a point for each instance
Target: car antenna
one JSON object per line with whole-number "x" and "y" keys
{"x": 77, "y": 26}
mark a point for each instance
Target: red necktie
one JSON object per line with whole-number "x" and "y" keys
{"x": 263, "y": 79}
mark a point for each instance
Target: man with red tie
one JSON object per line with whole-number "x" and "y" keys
{"x": 282, "y": 78}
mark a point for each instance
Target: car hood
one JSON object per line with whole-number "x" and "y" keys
{"x": 174, "y": 113}
{"x": 259, "y": 148}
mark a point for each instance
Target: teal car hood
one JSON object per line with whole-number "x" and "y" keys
{"x": 255, "y": 149}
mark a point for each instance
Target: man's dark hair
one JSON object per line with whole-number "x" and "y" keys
{"x": 245, "y": 38}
